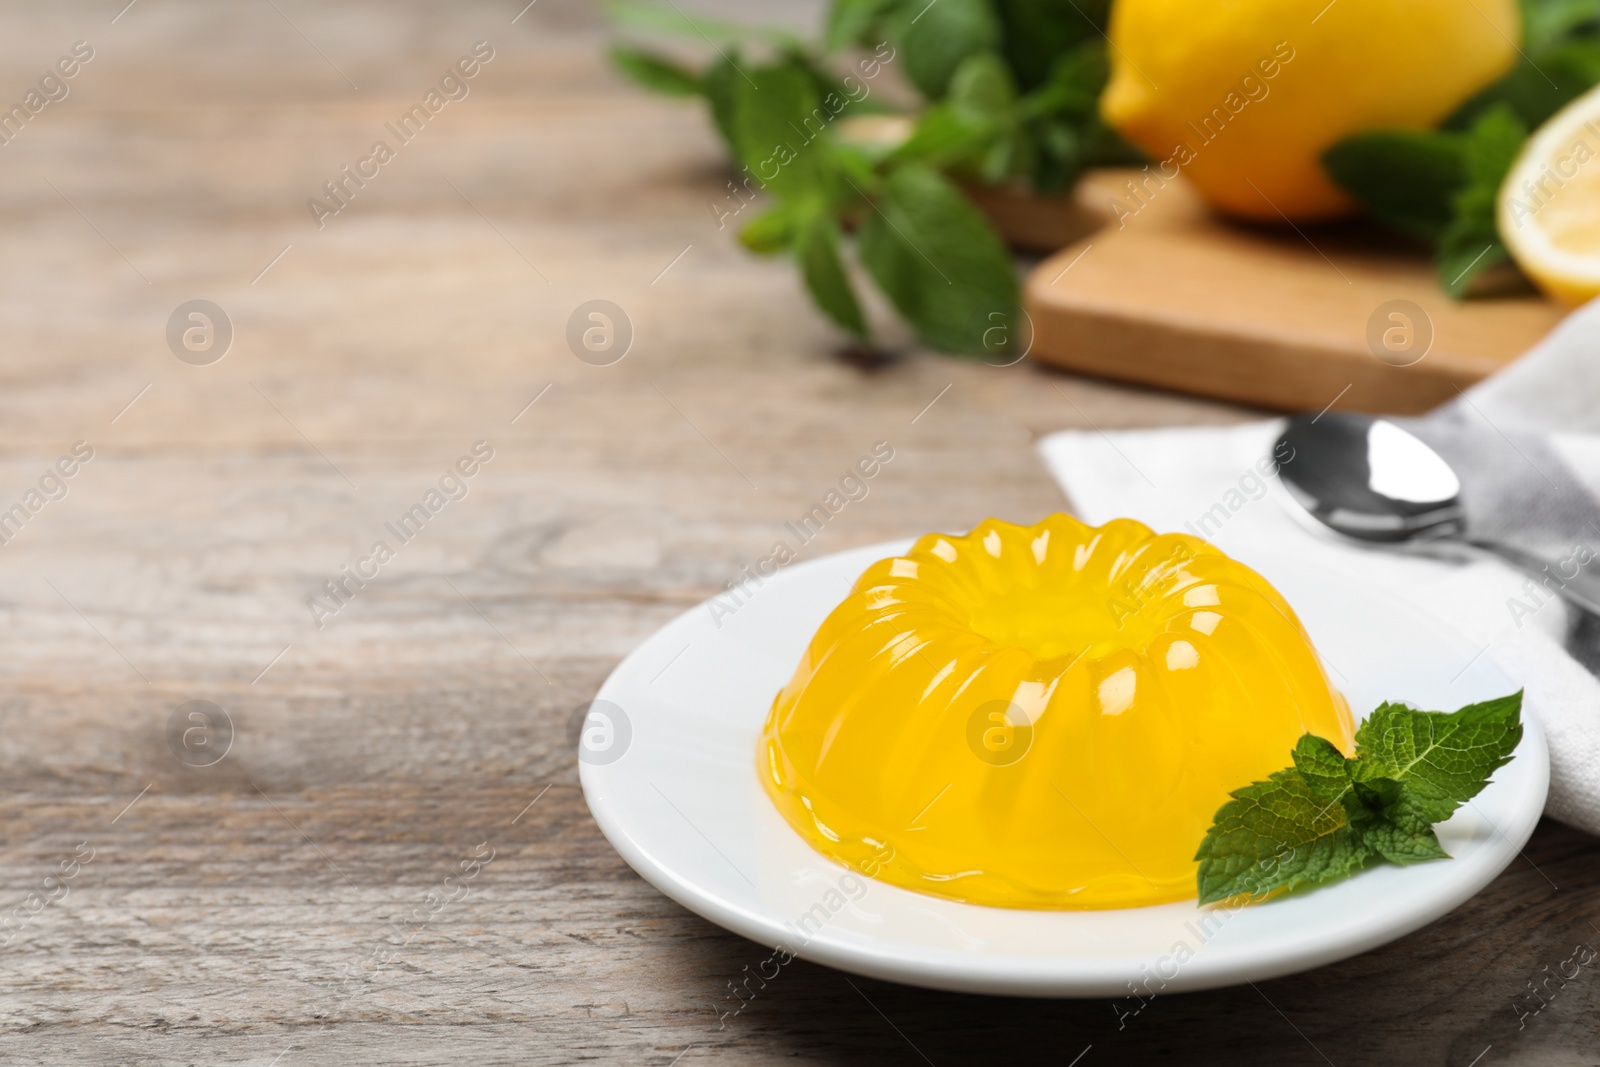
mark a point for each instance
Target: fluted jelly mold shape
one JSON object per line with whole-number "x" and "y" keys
{"x": 1044, "y": 716}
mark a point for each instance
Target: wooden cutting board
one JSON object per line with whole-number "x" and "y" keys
{"x": 1172, "y": 296}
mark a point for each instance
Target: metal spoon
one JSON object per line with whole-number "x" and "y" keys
{"x": 1367, "y": 479}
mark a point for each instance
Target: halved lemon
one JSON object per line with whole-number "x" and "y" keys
{"x": 1549, "y": 206}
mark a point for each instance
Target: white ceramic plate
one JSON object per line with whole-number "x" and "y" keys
{"x": 672, "y": 782}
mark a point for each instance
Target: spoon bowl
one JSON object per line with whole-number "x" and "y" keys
{"x": 1368, "y": 479}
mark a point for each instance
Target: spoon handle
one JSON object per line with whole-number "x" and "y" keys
{"x": 1581, "y": 588}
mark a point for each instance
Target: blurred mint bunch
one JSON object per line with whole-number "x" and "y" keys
{"x": 1009, "y": 92}
{"x": 1440, "y": 186}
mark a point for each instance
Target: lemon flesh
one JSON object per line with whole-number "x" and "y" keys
{"x": 1243, "y": 97}
{"x": 1042, "y": 717}
{"x": 1549, "y": 206}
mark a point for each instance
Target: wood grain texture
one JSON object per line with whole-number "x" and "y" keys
{"x": 256, "y": 911}
{"x": 1168, "y": 295}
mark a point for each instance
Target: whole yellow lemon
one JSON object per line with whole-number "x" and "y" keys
{"x": 1243, "y": 96}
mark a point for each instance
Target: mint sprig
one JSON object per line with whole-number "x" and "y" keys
{"x": 1328, "y": 816}
{"x": 1010, "y": 91}
{"x": 1437, "y": 185}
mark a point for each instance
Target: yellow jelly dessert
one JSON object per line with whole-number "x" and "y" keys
{"x": 1042, "y": 716}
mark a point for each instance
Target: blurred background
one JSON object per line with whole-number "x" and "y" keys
{"x": 267, "y": 388}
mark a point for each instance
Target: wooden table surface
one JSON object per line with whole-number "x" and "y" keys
{"x": 254, "y": 911}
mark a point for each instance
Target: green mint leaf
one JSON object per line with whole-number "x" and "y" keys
{"x": 1400, "y": 831}
{"x": 1491, "y": 147}
{"x": 1465, "y": 252}
{"x": 723, "y": 83}
{"x": 1008, "y": 155}
{"x": 977, "y": 117}
{"x": 946, "y": 135}
{"x": 935, "y": 38}
{"x": 1062, "y": 121}
{"x": 1471, "y": 244}
{"x": 769, "y": 124}
{"x": 778, "y": 123}
{"x": 855, "y": 22}
{"x": 940, "y": 263}
{"x": 982, "y": 85}
{"x": 1541, "y": 84}
{"x": 1065, "y": 148}
{"x": 778, "y": 126}
{"x": 1036, "y": 32}
{"x": 1277, "y": 835}
{"x": 1322, "y": 766}
{"x": 1549, "y": 23}
{"x": 770, "y": 232}
{"x": 982, "y": 89}
{"x": 1074, "y": 86}
{"x": 1061, "y": 150}
{"x": 1373, "y": 792}
{"x": 816, "y": 247}
{"x": 833, "y": 92}
{"x": 857, "y": 168}
{"x": 1443, "y": 760}
{"x": 1404, "y": 178}
{"x": 656, "y": 72}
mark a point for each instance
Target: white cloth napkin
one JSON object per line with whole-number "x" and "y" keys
{"x": 1170, "y": 478}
